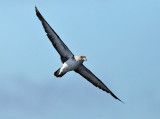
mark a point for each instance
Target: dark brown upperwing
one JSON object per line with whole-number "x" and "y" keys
{"x": 58, "y": 44}
{"x": 87, "y": 74}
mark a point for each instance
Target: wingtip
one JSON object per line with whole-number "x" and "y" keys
{"x": 116, "y": 97}
{"x": 36, "y": 9}
{"x": 39, "y": 14}
{"x": 121, "y": 101}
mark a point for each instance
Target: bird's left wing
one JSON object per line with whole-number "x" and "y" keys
{"x": 58, "y": 44}
{"x": 87, "y": 74}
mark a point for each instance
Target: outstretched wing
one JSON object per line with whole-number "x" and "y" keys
{"x": 58, "y": 44}
{"x": 87, "y": 74}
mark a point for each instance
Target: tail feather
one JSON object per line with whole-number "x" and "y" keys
{"x": 57, "y": 73}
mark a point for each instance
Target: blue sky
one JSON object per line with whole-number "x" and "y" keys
{"x": 120, "y": 39}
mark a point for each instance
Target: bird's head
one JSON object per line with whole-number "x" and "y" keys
{"x": 83, "y": 58}
{"x": 80, "y": 58}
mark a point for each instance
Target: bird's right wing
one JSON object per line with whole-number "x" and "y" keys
{"x": 87, "y": 74}
{"x": 58, "y": 44}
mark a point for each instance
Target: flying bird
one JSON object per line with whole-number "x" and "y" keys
{"x": 70, "y": 62}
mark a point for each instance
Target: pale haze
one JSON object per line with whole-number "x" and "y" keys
{"x": 120, "y": 38}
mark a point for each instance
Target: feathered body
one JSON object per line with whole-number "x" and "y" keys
{"x": 69, "y": 65}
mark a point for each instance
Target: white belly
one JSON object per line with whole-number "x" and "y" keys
{"x": 69, "y": 65}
